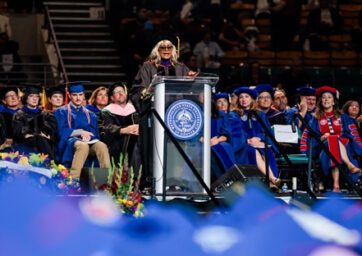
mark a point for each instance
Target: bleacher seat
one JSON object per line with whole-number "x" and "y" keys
{"x": 344, "y": 58}
{"x": 316, "y": 58}
{"x": 264, "y": 58}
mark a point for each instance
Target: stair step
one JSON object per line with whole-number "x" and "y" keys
{"x": 86, "y": 43}
{"x": 73, "y": 60}
{"x": 70, "y": 13}
{"x": 84, "y": 66}
{"x": 77, "y": 21}
{"x": 72, "y": 3}
{"x": 83, "y": 34}
{"x": 95, "y": 74}
{"x": 85, "y": 37}
{"x": 102, "y": 28}
{"x": 89, "y": 51}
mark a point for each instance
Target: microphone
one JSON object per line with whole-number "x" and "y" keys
{"x": 293, "y": 123}
{"x": 250, "y": 115}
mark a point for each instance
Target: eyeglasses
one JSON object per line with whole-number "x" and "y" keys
{"x": 11, "y": 96}
{"x": 264, "y": 97}
{"x": 167, "y": 47}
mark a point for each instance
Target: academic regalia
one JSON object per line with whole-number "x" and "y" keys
{"x": 94, "y": 109}
{"x": 143, "y": 80}
{"x": 2, "y": 129}
{"x": 339, "y": 128}
{"x": 239, "y": 140}
{"x": 113, "y": 118}
{"x": 34, "y": 122}
{"x": 8, "y": 115}
{"x": 275, "y": 116}
{"x": 256, "y": 130}
{"x": 224, "y": 151}
{"x": 69, "y": 119}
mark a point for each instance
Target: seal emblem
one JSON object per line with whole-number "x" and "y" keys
{"x": 184, "y": 119}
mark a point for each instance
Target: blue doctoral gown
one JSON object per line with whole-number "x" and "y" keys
{"x": 79, "y": 119}
{"x": 224, "y": 151}
{"x": 256, "y": 130}
{"x": 239, "y": 140}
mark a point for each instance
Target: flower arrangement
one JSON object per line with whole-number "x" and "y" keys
{"x": 16, "y": 164}
{"x": 122, "y": 187}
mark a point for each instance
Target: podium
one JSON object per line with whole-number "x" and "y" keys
{"x": 184, "y": 105}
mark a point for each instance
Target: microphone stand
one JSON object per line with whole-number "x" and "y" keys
{"x": 329, "y": 154}
{"x": 268, "y": 134}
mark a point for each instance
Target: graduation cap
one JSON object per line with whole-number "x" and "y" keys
{"x": 221, "y": 95}
{"x": 252, "y": 92}
{"x": 50, "y": 91}
{"x": 164, "y": 36}
{"x": 306, "y": 91}
{"x": 265, "y": 88}
{"x": 326, "y": 88}
{"x": 31, "y": 88}
{"x": 115, "y": 85}
{"x": 5, "y": 90}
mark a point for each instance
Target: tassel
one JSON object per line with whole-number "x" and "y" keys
{"x": 43, "y": 98}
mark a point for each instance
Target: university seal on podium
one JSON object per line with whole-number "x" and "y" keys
{"x": 184, "y": 119}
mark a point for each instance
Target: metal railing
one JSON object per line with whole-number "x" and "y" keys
{"x": 52, "y": 38}
{"x": 29, "y": 72}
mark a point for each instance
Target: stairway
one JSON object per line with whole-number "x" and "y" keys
{"x": 88, "y": 50}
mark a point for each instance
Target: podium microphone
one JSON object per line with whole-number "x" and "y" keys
{"x": 293, "y": 123}
{"x": 249, "y": 119}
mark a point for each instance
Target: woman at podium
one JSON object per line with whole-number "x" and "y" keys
{"x": 162, "y": 61}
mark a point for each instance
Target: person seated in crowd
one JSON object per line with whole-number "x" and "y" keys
{"x": 11, "y": 61}
{"x": 12, "y": 104}
{"x": 34, "y": 130}
{"x": 98, "y": 100}
{"x": 306, "y": 105}
{"x": 119, "y": 127}
{"x": 336, "y": 132}
{"x": 280, "y": 103}
{"x": 265, "y": 101}
{"x": 55, "y": 98}
{"x": 352, "y": 108}
{"x": 208, "y": 52}
{"x": 223, "y": 157}
{"x": 255, "y": 134}
{"x": 238, "y": 137}
{"x": 78, "y": 133}
{"x": 231, "y": 36}
{"x": 322, "y": 22}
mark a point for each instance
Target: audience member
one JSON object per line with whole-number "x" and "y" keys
{"x": 55, "y": 98}
{"x": 34, "y": 130}
{"x": 98, "y": 100}
{"x": 120, "y": 129}
{"x": 208, "y": 52}
{"x": 322, "y": 22}
{"x": 78, "y": 133}
{"x": 334, "y": 131}
{"x": 11, "y": 101}
{"x": 264, "y": 104}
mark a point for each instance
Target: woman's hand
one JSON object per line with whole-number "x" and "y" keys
{"x": 193, "y": 73}
{"x": 214, "y": 141}
{"x": 324, "y": 136}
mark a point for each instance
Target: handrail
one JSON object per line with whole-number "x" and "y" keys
{"x": 30, "y": 72}
{"x": 326, "y": 150}
{"x": 57, "y": 49}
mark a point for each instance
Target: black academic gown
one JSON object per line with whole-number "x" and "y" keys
{"x": 27, "y": 121}
{"x": 143, "y": 80}
{"x": 120, "y": 143}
